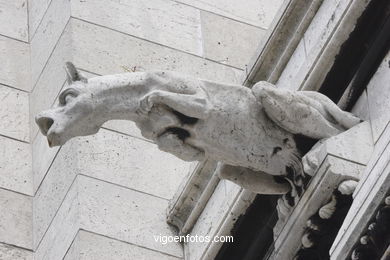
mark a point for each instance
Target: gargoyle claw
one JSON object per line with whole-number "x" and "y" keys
{"x": 145, "y": 106}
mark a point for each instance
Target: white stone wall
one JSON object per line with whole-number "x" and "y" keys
{"x": 105, "y": 196}
{"x": 374, "y": 106}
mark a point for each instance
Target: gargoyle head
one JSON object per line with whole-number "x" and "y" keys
{"x": 73, "y": 115}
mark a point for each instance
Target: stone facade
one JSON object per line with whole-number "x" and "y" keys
{"x": 103, "y": 196}
{"x": 106, "y": 196}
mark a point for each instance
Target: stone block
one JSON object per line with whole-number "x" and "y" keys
{"x": 36, "y": 11}
{"x": 51, "y": 80}
{"x": 323, "y": 24}
{"x": 331, "y": 26}
{"x": 213, "y": 217}
{"x": 256, "y": 12}
{"x": 164, "y": 22}
{"x": 379, "y": 160}
{"x": 14, "y": 113}
{"x": 15, "y": 166}
{"x": 47, "y": 35}
{"x": 15, "y": 220}
{"x": 360, "y": 109}
{"x": 355, "y": 145}
{"x": 90, "y": 246}
{"x": 130, "y": 162}
{"x": 327, "y": 178}
{"x": 124, "y": 214}
{"x": 286, "y": 79}
{"x": 8, "y": 252}
{"x": 15, "y": 59}
{"x": 62, "y": 230}
{"x": 43, "y": 157}
{"x": 379, "y": 98}
{"x": 104, "y": 51}
{"x": 125, "y": 127}
{"x": 15, "y": 11}
{"x": 368, "y": 195}
{"x": 52, "y": 191}
{"x": 228, "y": 41}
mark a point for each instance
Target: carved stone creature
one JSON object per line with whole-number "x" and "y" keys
{"x": 250, "y": 131}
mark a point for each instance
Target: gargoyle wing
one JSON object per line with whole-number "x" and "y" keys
{"x": 307, "y": 113}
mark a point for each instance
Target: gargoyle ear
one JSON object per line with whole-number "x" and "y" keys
{"x": 72, "y": 74}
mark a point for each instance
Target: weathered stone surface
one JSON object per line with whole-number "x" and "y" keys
{"x": 63, "y": 228}
{"x": 286, "y": 80}
{"x": 15, "y": 166}
{"x": 196, "y": 120}
{"x": 228, "y": 41}
{"x": 331, "y": 26}
{"x": 192, "y": 196}
{"x": 130, "y": 162}
{"x": 8, "y": 252}
{"x": 104, "y": 51}
{"x": 52, "y": 78}
{"x": 43, "y": 157}
{"x": 36, "y": 11}
{"x": 355, "y": 145}
{"x": 255, "y": 12}
{"x": 15, "y": 57}
{"x": 15, "y": 11}
{"x": 47, "y": 34}
{"x": 109, "y": 210}
{"x": 109, "y": 156}
{"x": 124, "y": 214}
{"x": 361, "y": 109}
{"x": 125, "y": 127}
{"x": 379, "y": 98}
{"x": 165, "y": 22}
{"x": 52, "y": 191}
{"x": 369, "y": 194}
{"x": 212, "y": 217}
{"x": 90, "y": 246}
{"x": 14, "y": 113}
{"x": 15, "y": 219}
{"x": 288, "y": 231}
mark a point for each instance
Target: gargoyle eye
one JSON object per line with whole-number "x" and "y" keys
{"x": 70, "y": 92}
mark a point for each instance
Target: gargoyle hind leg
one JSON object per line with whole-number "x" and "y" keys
{"x": 257, "y": 182}
{"x": 171, "y": 143}
{"x": 189, "y": 105}
{"x": 295, "y": 112}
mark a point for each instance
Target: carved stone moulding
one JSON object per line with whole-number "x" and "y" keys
{"x": 336, "y": 165}
{"x": 323, "y": 226}
{"x": 369, "y": 195}
{"x": 192, "y": 196}
{"x": 375, "y": 241}
{"x": 318, "y": 193}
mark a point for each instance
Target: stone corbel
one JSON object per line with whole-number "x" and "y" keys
{"x": 336, "y": 163}
{"x": 191, "y": 198}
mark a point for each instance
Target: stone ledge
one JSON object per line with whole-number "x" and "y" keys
{"x": 331, "y": 173}
{"x": 192, "y": 196}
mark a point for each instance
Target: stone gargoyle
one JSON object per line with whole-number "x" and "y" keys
{"x": 251, "y": 132}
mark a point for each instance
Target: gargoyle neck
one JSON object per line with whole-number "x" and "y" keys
{"x": 118, "y": 96}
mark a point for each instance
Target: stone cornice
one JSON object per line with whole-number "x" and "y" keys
{"x": 283, "y": 36}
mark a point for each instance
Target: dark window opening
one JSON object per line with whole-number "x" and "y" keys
{"x": 360, "y": 55}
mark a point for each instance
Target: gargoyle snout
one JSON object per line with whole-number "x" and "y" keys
{"x": 44, "y": 122}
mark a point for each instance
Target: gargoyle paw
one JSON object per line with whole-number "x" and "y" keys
{"x": 145, "y": 106}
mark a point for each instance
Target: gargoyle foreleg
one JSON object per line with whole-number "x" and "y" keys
{"x": 189, "y": 105}
{"x": 254, "y": 181}
{"x": 171, "y": 143}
